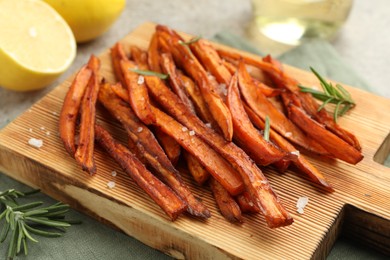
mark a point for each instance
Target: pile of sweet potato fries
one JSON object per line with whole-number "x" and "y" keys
{"x": 194, "y": 101}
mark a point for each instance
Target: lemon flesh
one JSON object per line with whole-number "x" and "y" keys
{"x": 36, "y": 44}
{"x": 88, "y": 19}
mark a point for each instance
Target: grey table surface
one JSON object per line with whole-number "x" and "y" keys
{"x": 363, "y": 41}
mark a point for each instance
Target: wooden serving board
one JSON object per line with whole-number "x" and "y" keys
{"x": 360, "y": 206}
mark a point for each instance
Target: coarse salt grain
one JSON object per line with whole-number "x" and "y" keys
{"x": 48, "y": 133}
{"x": 301, "y": 204}
{"x": 111, "y": 184}
{"x": 296, "y": 153}
{"x": 223, "y": 90}
{"x": 54, "y": 113}
{"x": 113, "y": 173}
{"x": 288, "y": 134}
{"x": 192, "y": 132}
{"x": 141, "y": 80}
{"x": 139, "y": 130}
{"x": 184, "y": 129}
{"x": 42, "y": 128}
{"x": 37, "y": 143}
{"x": 208, "y": 125}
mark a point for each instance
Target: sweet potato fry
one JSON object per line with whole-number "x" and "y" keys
{"x": 210, "y": 59}
{"x": 136, "y": 151}
{"x": 301, "y": 163}
{"x": 170, "y": 146}
{"x": 234, "y": 56}
{"x": 266, "y": 90}
{"x": 255, "y": 182}
{"x": 252, "y": 142}
{"x": 282, "y": 165}
{"x": 85, "y": 148}
{"x": 246, "y": 204}
{"x": 138, "y": 55}
{"x": 229, "y": 66}
{"x": 150, "y": 149}
{"x": 279, "y": 122}
{"x": 331, "y": 142}
{"x": 193, "y": 92}
{"x": 226, "y": 204}
{"x": 168, "y": 201}
{"x": 118, "y": 54}
{"x": 197, "y": 170}
{"x": 184, "y": 57}
{"x": 169, "y": 67}
{"x": 138, "y": 93}
{"x": 70, "y": 109}
{"x": 217, "y": 166}
{"x": 218, "y": 110}
{"x": 153, "y": 54}
{"x": 120, "y": 91}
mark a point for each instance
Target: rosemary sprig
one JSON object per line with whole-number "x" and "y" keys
{"x": 21, "y": 221}
{"x": 331, "y": 95}
{"x": 150, "y": 73}
{"x": 266, "y": 128}
{"x": 193, "y": 40}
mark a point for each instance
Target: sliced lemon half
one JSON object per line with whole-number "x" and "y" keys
{"x": 36, "y": 45}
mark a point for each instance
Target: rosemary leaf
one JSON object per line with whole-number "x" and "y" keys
{"x": 31, "y": 192}
{"x": 42, "y": 233}
{"x": 4, "y": 232}
{"x": 28, "y": 206}
{"x": 150, "y": 73}
{"x": 12, "y": 244}
{"x": 35, "y": 212}
{"x": 55, "y": 208}
{"x": 25, "y": 246}
{"x": 27, "y": 234}
{"x": 336, "y": 111}
{"x": 47, "y": 222}
{"x": 5, "y": 193}
{"x": 56, "y": 213}
{"x": 331, "y": 95}
{"x": 266, "y": 129}
{"x": 20, "y": 237}
{"x": 74, "y": 222}
{"x": 345, "y": 109}
{"x": 2, "y": 215}
{"x": 324, "y": 104}
{"x": 344, "y": 92}
{"x": 193, "y": 40}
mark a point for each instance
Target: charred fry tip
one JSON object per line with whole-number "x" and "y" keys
{"x": 204, "y": 214}
{"x": 281, "y": 222}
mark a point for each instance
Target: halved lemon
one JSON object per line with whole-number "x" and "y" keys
{"x": 36, "y": 45}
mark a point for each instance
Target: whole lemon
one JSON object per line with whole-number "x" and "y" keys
{"x": 88, "y": 19}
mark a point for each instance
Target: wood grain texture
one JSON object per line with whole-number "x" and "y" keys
{"x": 361, "y": 199}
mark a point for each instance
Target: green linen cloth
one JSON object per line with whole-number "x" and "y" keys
{"x": 93, "y": 240}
